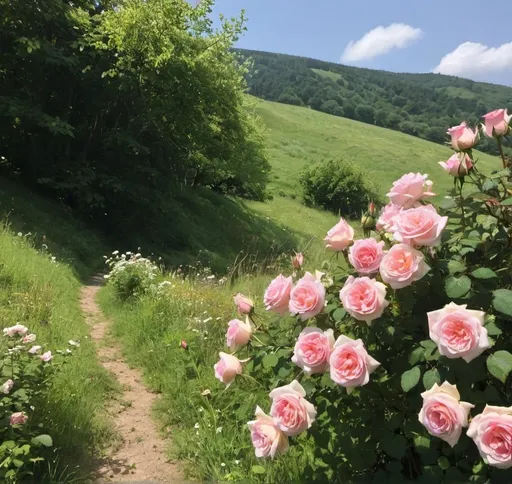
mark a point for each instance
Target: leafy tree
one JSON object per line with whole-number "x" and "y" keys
{"x": 332, "y": 107}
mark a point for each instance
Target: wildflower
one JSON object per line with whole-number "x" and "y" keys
{"x": 29, "y": 338}
{"x": 196, "y": 426}
{"x": 74, "y": 343}
{"x": 7, "y": 387}
{"x": 46, "y": 356}
{"x": 34, "y": 349}
{"x": 18, "y": 418}
{"x": 218, "y": 430}
{"x": 16, "y": 329}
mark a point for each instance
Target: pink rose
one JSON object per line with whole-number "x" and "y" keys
{"x": 492, "y": 434}
{"x": 46, "y": 356}
{"x": 365, "y": 255}
{"x": 29, "y": 338}
{"x": 458, "y": 332}
{"x": 34, "y": 349}
{"x": 384, "y": 222}
{"x": 18, "y": 418}
{"x": 239, "y": 334}
{"x": 313, "y": 349}
{"x": 7, "y": 387}
{"x": 267, "y": 439}
{"x": 410, "y": 188}
{"x": 292, "y": 413}
{"x": 227, "y": 368}
{"x": 298, "y": 260}
{"x": 443, "y": 414}
{"x": 402, "y": 265}
{"x": 463, "y": 138}
{"x": 419, "y": 226}
{"x": 277, "y": 295}
{"x": 458, "y": 164}
{"x": 364, "y": 298}
{"x": 496, "y": 122}
{"x": 340, "y": 236}
{"x": 307, "y": 298}
{"x": 16, "y": 329}
{"x": 243, "y": 304}
{"x": 350, "y": 364}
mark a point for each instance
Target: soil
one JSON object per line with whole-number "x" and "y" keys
{"x": 140, "y": 455}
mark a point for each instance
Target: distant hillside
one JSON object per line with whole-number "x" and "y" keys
{"x": 422, "y": 105}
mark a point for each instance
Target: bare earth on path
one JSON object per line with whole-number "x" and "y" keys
{"x": 140, "y": 457}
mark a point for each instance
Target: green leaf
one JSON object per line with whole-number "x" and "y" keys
{"x": 395, "y": 447}
{"x": 499, "y": 365}
{"x": 42, "y": 439}
{"x": 430, "y": 377}
{"x": 269, "y": 361}
{"x": 447, "y": 203}
{"x": 422, "y": 444}
{"x": 339, "y": 314}
{"x": 483, "y": 273}
{"x": 258, "y": 469}
{"x": 492, "y": 329}
{"x": 508, "y": 201}
{"x": 417, "y": 355}
{"x": 410, "y": 378}
{"x": 455, "y": 266}
{"x": 502, "y": 301}
{"x": 443, "y": 462}
{"x": 456, "y": 287}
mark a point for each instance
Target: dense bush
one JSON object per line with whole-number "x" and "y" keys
{"x": 337, "y": 186}
{"x": 112, "y": 107}
{"x": 396, "y": 358}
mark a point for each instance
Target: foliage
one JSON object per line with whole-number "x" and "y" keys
{"x": 470, "y": 266}
{"x": 130, "y": 274}
{"x": 112, "y": 107}
{"x": 26, "y": 377}
{"x": 423, "y": 105}
{"x": 338, "y": 186}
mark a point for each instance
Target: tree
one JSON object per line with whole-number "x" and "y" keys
{"x": 365, "y": 113}
{"x": 332, "y": 107}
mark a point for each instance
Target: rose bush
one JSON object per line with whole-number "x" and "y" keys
{"x": 423, "y": 392}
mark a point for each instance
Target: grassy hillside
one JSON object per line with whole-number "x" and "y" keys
{"x": 299, "y": 136}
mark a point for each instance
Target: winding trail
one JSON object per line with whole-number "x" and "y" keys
{"x": 140, "y": 456}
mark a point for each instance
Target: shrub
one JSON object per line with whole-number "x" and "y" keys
{"x": 401, "y": 344}
{"x": 130, "y": 274}
{"x": 337, "y": 186}
{"x": 25, "y": 372}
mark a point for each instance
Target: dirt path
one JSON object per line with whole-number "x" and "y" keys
{"x": 141, "y": 453}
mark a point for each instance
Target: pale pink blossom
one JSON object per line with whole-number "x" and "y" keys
{"x": 350, "y": 364}
{"x": 7, "y": 387}
{"x": 313, "y": 349}
{"x": 243, "y": 304}
{"x": 292, "y": 413}
{"x": 458, "y": 332}
{"x": 14, "y": 330}
{"x": 227, "y": 368}
{"x": 458, "y": 164}
{"x": 462, "y": 137}
{"x": 492, "y": 433}
{"x": 409, "y": 189}
{"x": 298, "y": 260}
{"x": 34, "y": 349}
{"x": 267, "y": 439}
{"x": 365, "y": 255}
{"x": 277, "y": 295}
{"x": 443, "y": 414}
{"x": 46, "y": 356}
{"x": 340, "y": 236}
{"x": 421, "y": 226}
{"x": 18, "y": 418}
{"x": 307, "y": 298}
{"x": 238, "y": 335}
{"x": 29, "y": 338}
{"x": 402, "y": 265}
{"x": 384, "y": 222}
{"x": 497, "y": 122}
{"x": 364, "y": 298}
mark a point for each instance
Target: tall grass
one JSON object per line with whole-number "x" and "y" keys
{"x": 42, "y": 294}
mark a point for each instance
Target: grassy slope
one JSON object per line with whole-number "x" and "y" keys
{"x": 43, "y": 295}
{"x": 300, "y": 136}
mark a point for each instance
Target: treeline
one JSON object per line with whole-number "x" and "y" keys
{"x": 422, "y": 105}
{"x": 114, "y": 106}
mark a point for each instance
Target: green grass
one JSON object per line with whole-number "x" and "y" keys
{"x": 298, "y": 137}
{"x": 43, "y": 295}
{"x": 330, "y": 75}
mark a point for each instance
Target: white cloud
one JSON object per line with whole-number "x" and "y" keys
{"x": 473, "y": 59}
{"x": 380, "y": 41}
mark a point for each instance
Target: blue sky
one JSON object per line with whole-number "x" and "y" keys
{"x": 474, "y": 35}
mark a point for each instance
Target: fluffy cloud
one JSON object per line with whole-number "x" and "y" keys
{"x": 380, "y": 41}
{"x": 471, "y": 59}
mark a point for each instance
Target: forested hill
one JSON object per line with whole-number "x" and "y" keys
{"x": 423, "y": 105}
